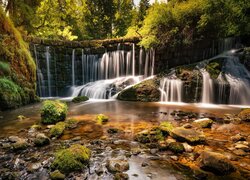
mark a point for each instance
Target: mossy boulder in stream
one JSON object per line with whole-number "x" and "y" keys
{"x": 244, "y": 115}
{"x": 74, "y": 158}
{"x": 146, "y": 91}
{"x": 57, "y": 130}
{"x": 53, "y": 112}
{"x": 80, "y": 99}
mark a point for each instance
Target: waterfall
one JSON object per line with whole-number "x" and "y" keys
{"x": 73, "y": 67}
{"x": 152, "y": 52}
{"x": 171, "y": 90}
{"x": 140, "y": 60}
{"x": 207, "y": 87}
{"x": 38, "y": 73}
{"x": 133, "y": 61}
{"x": 239, "y": 79}
{"x": 47, "y": 55}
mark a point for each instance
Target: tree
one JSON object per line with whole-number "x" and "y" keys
{"x": 143, "y": 7}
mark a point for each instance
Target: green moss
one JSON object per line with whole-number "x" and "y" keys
{"x": 72, "y": 159}
{"x": 176, "y": 147}
{"x": 4, "y": 68}
{"x": 57, "y": 130}
{"x": 101, "y": 118}
{"x": 71, "y": 123}
{"x": 245, "y": 114}
{"x": 36, "y": 126}
{"x": 80, "y": 99}
{"x": 9, "y": 94}
{"x": 166, "y": 127}
{"x": 214, "y": 68}
{"x": 53, "y": 112}
{"x": 151, "y": 136}
{"x": 57, "y": 175}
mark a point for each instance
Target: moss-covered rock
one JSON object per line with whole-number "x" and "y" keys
{"x": 57, "y": 130}
{"x": 203, "y": 123}
{"x": 146, "y": 91}
{"x": 80, "y": 99}
{"x": 214, "y": 68}
{"x": 75, "y": 158}
{"x": 150, "y": 136}
{"x": 244, "y": 115}
{"x": 166, "y": 127}
{"x": 53, "y": 112}
{"x": 176, "y": 147}
{"x": 71, "y": 123}
{"x": 57, "y": 175}
{"x": 101, "y": 118}
{"x": 41, "y": 140}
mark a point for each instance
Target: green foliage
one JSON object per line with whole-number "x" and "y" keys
{"x": 4, "y": 68}
{"x": 101, "y": 118}
{"x": 9, "y": 94}
{"x": 57, "y": 130}
{"x": 53, "y": 111}
{"x": 80, "y": 99}
{"x": 72, "y": 159}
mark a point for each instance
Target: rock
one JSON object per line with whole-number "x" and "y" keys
{"x": 121, "y": 176}
{"x": 216, "y": 163}
{"x": 245, "y": 115}
{"x": 176, "y": 147}
{"x": 14, "y": 139}
{"x": 237, "y": 138}
{"x": 112, "y": 130}
{"x": 187, "y": 147}
{"x": 239, "y": 152}
{"x": 153, "y": 151}
{"x": 117, "y": 165}
{"x": 187, "y": 126}
{"x": 166, "y": 127}
{"x": 243, "y": 147}
{"x": 77, "y": 138}
{"x": 144, "y": 164}
{"x": 203, "y": 123}
{"x": 57, "y": 175}
{"x": 21, "y": 144}
{"x": 227, "y": 128}
{"x": 175, "y": 158}
{"x": 34, "y": 167}
{"x": 188, "y": 135}
{"x": 41, "y": 140}
{"x": 231, "y": 118}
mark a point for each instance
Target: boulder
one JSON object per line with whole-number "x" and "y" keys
{"x": 117, "y": 165}
{"x": 203, "y": 123}
{"x": 187, "y": 135}
{"x": 216, "y": 163}
{"x": 176, "y": 147}
{"x": 41, "y": 140}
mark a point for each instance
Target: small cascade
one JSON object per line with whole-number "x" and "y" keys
{"x": 39, "y": 74}
{"x": 239, "y": 79}
{"x": 73, "y": 67}
{"x": 133, "y": 61}
{"x": 152, "y": 57}
{"x": 171, "y": 90}
{"x": 140, "y": 61}
{"x": 207, "y": 87}
{"x": 47, "y": 55}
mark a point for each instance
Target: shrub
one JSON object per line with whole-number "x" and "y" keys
{"x": 72, "y": 159}
{"x": 57, "y": 130}
{"x": 53, "y": 112}
{"x": 80, "y": 99}
{"x": 101, "y": 118}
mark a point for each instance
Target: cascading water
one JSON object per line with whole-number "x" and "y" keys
{"x": 171, "y": 90}
{"x": 47, "y": 54}
{"x": 207, "y": 87}
{"x": 73, "y": 67}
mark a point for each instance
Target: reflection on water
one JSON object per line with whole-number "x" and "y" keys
{"x": 120, "y": 113}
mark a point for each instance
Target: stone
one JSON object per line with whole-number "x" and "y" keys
{"x": 41, "y": 140}
{"x": 144, "y": 164}
{"x": 112, "y": 130}
{"x": 57, "y": 175}
{"x": 175, "y": 158}
{"x": 187, "y": 135}
{"x": 238, "y": 137}
{"x": 34, "y": 167}
{"x": 243, "y": 147}
{"x": 117, "y": 165}
{"x": 176, "y": 147}
{"x": 14, "y": 139}
{"x": 21, "y": 144}
{"x": 121, "y": 176}
{"x": 153, "y": 151}
{"x": 187, "y": 147}
{"x": 239, "y": 152}
{"x": 203, "y": 123}
{"x": 187, "y": 126}
{"x": 216, "y": 163}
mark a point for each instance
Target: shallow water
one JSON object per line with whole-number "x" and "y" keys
{"x": 120, "y": 113}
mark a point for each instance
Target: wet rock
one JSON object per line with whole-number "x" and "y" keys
{"x": 34, "y": 167}
{"x": 14, "y": 139}
{"x": 113, "y": 130}
{"x": 216, "y": 163}
{"x": 187, "y": 147}
{"x": 203, "y": 123}
{"x": 135, "y": 151}
{"x": 176, "y": 147}
{"x": 237, "y": 138}
{"x": 187, "y": 126}
{"x": 144, "y": 164}
{"x": 245, "y": 115}
{"x": 227, "y": 128}
{"x": 239, "y": 152}
{"x": 189, "y": 135}
{"x": 242, "y": 147}
{"x": 153, "y": 151}
{"x": 166, "y": 127}
{"x": 231, "y": 118}
{"x": 77, "y": 138}
{"x": 41, "y": 140}
{"x": 6, "y": 145}
{"x": 21, "y": 144}
{"x": 175, "y": 158}
{"x": 121, "y": 176}
{"x": 117, "y": 165}
{"x": 57, "y": 175}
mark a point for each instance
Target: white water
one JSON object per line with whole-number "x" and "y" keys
{"x": 73, "y": 67}
{"x": 207, "y": 87}
{"x": 171, "y": 90}
{"x": 47, "y": 54}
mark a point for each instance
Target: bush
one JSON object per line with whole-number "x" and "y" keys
{"x": 101, "y": 118}
{"x": 53, "y": 112}
{"x": 72, "y": 159}
{"x": 80, "y": 99}
{"x": 9, "y": 94}
{"x": 57, "y": 130}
